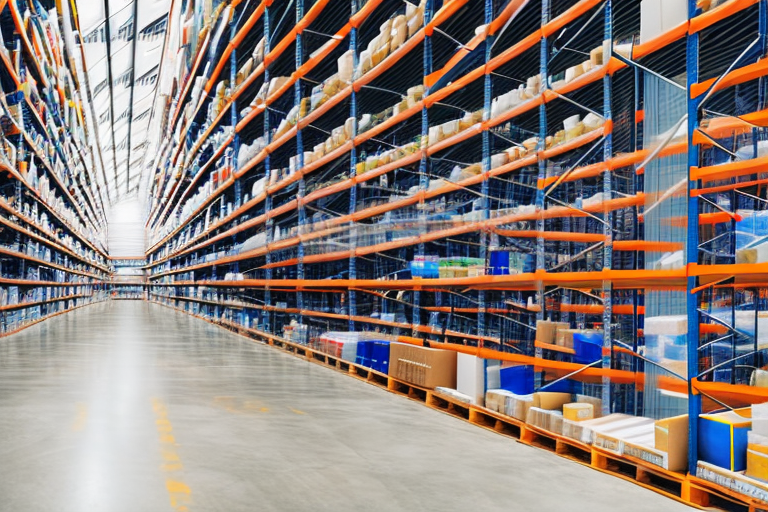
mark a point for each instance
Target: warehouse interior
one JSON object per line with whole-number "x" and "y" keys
{"x": 337, "y": 254}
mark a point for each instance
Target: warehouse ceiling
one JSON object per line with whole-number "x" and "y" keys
{"x": 122, "y": 42}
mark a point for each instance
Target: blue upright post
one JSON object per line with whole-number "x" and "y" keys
{"x": 424, "y": 165}
{"x": 300, "y": 165}
{"x": 233, "y": 114}
{"x": 352, "y": 172}
{"x": 540, "y": 206}
{"x": 268, "y": 226}
{"x": 692, "y": 247}
{"x": 608, "y": 225}
{"x": 484, "y": 190}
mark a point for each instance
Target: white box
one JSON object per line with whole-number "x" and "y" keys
{"x": 675, "y": 13}
{"x": 470, "y": 377}
{"x": 650, "y": 20}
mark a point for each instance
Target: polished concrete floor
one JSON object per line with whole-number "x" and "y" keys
{"x": 130, "y": 406}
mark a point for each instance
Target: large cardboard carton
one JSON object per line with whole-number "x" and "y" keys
{"x": 551, "y": 401}
{"x": 425, "y": 367}
{"x": 671, "y": 437}
{"x": 546, "y": 331}
{"x": 564, "y": 337}
{"x": 757, "y": 456}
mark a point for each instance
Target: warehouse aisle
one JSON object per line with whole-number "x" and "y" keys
{"x": 130, "y": 406}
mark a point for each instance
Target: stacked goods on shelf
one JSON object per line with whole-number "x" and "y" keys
{"x": 550, "y": 212}
{"x": 52, "y": 216}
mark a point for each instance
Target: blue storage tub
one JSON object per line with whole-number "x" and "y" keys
{"x": 425, "y": 269}
{"x": 722, "y": 439}
{"x": 517, "y": 379}
{"x": 588, "y": 347}
{"x": 364, "y": 352}
{"x": 499, "y": 263}
{"x": 380, "y": 356}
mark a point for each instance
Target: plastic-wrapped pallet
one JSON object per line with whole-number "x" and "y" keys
{"x": 597, "y": 403}
{"x": 495, "y": 399}
{"x": 584, "y": 430}
{"x": 517, "y": 406}
{"x": 615, "y": 434}
{"x": 461, "y": 397}
{"x": 551, "y": 421}
{"x": 666, "y": 341}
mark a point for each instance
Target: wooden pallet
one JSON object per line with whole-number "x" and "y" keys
{"x": 497, "y": 422}
{"x": 411, "y": 391}
{"x": 538, "y": 437}
{"x": 655, "y": 478}
{"x": 448, "y": 404}
{"x": 706, "y": 494}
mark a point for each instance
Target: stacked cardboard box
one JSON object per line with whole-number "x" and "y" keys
{"x": 425, "y": 367}
{"x": 546, "y": 411}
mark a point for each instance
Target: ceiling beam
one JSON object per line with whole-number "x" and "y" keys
{"x": 133, "y": 86}
{"x": 108, "y": 36}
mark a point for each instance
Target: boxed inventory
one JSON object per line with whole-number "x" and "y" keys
{"x": 425, "y": 367}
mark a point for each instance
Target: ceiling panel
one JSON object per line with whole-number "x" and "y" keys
{"x": 124, "y": 85}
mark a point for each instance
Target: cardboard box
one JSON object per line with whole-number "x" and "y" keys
{"x": 551, "y": 401}
{"x": 517, "y": 406}
{"x": 597, "y": 404}
{"x": 551, "y": 421}
{"x": 425, "y": 367}
{"x": 546, "y": 331}
{"x": 564, "y": 337}
{"x": 757, "y": 456}
{"x": 671, "y": 437}
{"x": 578, "y": 411}
{"x": 495, "y": 399}
{"x": 722, "y": 439}
{"x": 470, "y": 376}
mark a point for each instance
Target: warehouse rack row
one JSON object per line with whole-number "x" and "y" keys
{"x": 128, "y": 280}
{"x": 570, "y": 187}
{"x": 52, "y": 256}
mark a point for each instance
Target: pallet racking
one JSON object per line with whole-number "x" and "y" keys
{"x": 52, "y": 253}
{"x": 307, "y": 181}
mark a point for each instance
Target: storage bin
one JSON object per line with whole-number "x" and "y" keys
{"x": 380, "y": 356}
{"x": 588, "y": 347}
{"x": 517, "y": 379}
{"x": 722, "y": 438}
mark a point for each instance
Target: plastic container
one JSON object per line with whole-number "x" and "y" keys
{"x": 499, "y": 263}
{"x": 588, "y": 347}
{"x": 517, "y": 379}
{"x": 380, "y": 356}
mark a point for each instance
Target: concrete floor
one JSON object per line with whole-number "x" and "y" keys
{"x": 130, "y": 406}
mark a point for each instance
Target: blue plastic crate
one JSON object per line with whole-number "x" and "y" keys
{"x": 722, "y": 439}
{"x": 517, "y": 379}
{"x": 364, "y": 352}
{"x": 588, "y": 347}
{"x": 380, "y": 356}
{"x": 499, "y": 263}
{"x": 425, "y": 269}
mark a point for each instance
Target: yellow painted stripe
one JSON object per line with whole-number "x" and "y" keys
{"x": 179, "y": 494}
